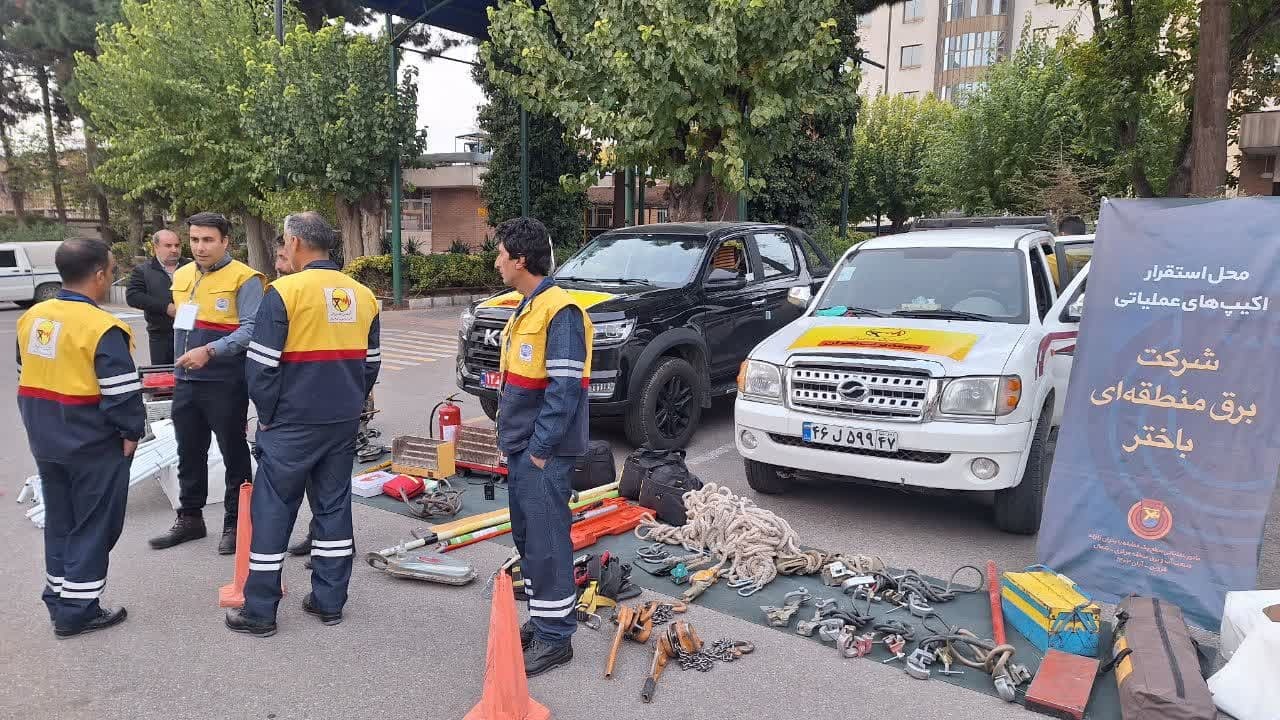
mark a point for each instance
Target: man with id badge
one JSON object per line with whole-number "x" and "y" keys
{"x": 217, "y": 300}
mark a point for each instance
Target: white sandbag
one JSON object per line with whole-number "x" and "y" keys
{"x": 1242, "y": 614}
{"x": 1248, "y": 687}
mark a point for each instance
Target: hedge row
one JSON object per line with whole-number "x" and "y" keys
{"x": 425, "y": 274}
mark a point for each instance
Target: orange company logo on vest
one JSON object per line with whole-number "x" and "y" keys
{"x": 341, "y": 304}
{"x": 44, "y": 338}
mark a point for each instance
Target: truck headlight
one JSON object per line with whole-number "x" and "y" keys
{"x": 466, "y": 319}
{"x": 760, "y": 381}
{"x": 990, "y": 396}
{"x": 613, "y": 332}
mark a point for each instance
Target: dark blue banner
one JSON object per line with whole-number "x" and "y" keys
{"x": 1170, "y": 443}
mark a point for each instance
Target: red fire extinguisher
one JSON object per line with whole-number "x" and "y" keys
{"x": 450, "y": 419}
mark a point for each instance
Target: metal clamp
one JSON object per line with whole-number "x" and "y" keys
{"x": 895, "y": 643}
{"x": 781, "y": 616}
{"x": 917, "y": 665}
{"x": 835, "y": 573}
{"x": 852, "y": 645}
{"x": 807, "y": 627}
{"x": 829, "y": 629}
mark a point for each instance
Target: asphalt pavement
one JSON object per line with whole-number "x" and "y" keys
{"x": 409, "y": 649}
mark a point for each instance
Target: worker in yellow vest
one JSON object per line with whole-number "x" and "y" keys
{"x": 80, "y": 398}
{"x": 312, "y": 362}
{"x": 542, "y": 427}
{"x": 217, "y": 300}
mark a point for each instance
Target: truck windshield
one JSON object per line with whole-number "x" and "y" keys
{"x": 979, "y": 284}
{"x": 655, "y": 259}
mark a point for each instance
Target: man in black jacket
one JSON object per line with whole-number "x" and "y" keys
{"x": 149, "y": 291}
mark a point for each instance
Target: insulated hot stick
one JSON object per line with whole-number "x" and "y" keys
{"x": 378, "y": 558}
{"x": 997, "y": 613}
{"x": 504, "y": 528}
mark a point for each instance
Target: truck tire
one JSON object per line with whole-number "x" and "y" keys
{"x": 47, "y": 291}
{"x": 664, "y": 414}
{"x": 1018, "y": 509}
{"x": 764, "y": 478}
{"x": 490, "y": 407}
{"x": 24, "y": 304}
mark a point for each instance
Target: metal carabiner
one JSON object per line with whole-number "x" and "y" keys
{"x": 750, "y": 590}
{"x": 739, "y": 583}
{"x": 653, "y": 552}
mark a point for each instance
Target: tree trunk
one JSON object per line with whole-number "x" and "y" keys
{"x": 16, "y": 195}
{"x": 726, "y": 207}
{"x": 55, "y": 167}
{"x": 688, "y": 203}
{"x": 258, "y": 235}
{"x": 349, "y": 229}
{"x": 157, "y": 217}
{"x": 135, "y": 229}
{"x": 92, "y": 156}
{"x": 373, "y": 219}
{"x": 1209, "y": 117}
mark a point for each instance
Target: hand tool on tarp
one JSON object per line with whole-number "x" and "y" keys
{"x": 586, "y": 513}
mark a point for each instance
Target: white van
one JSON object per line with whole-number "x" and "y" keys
{"x": 27, "y": 272}
{"x": 934, "y": 359}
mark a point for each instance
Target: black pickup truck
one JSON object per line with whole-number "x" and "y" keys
{"x": 676, "y": 308}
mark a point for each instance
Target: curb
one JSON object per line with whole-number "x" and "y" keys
{"x": 439, "y": 301}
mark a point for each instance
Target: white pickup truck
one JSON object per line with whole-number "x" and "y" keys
{"x": 935, "y": 359}
{"x": 27, "y": 272}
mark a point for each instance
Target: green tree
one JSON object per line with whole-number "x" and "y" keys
{"x": 164, "y": 92}
{"x": 319, "y": 109}
{"x": 695, "y": 91}
{"x": 892, "y": 142}
{"x": 551, "y": 156}
{"x": 997, "y": 139}
{"x": 1137, "y": 77}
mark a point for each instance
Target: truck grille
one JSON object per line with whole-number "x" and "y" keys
{"x": 483, "y": 345}
{"x": 859, "y": 392}
{"x": 919, "y": 456}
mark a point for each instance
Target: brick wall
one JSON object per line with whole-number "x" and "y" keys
{"x": 1251, "y": 180}
{"x": 457, "y": 214}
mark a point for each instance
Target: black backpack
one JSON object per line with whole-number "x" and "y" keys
{"x": 658, "y": 479}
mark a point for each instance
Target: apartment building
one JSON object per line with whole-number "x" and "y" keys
{"x": 944, "y": 46}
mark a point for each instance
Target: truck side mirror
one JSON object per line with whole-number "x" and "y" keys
{"x": 800, "y": 296}
{"x": 1076, "y": 309}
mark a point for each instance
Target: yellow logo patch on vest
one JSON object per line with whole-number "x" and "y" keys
{"x": 585, "y": 299}
{"x": 43, "y": 340}
{"x": 928, "y": 342}
{"x": 341, "y": 303}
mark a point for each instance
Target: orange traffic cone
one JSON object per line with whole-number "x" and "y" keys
{"x": 506, "y": 691}
{"x": 231, "y": 595}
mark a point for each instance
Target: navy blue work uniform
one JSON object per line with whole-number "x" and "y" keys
{"x": 313, "y": 359}
{"x": 542, "y": 413}
{"x": 80, "y": 397}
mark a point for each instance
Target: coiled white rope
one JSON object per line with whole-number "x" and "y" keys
{"x": 754, "y": 544}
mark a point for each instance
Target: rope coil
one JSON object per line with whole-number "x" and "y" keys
{"x": 753, "y": 544}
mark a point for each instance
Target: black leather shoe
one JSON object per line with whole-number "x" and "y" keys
{"x": 526, "y": 634}
{"x": 105, "y": 619}
{"x": 540, "y": 657}
{"x": 227, "y": 545}
{"x": 185, "y": 528}
{"x": 238, "y": 622}
{"x": 302, "y": 547}
{"x": 328, "y": 618}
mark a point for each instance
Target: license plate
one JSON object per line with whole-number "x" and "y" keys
{"x": 489, "y": 379}
{"x": 861, "y": 438}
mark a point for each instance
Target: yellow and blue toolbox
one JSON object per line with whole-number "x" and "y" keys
{"x": 1050, "y": 611}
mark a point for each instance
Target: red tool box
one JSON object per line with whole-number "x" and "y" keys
{"x": 624, "y": 519}
{"x": 157, "y": 381}
{"x": 1062, "y": 685}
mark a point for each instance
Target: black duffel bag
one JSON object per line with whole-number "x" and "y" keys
{"x": 639, "y": 464}
{"x": 594, "y": 468}
{"x": 663, "y": 489}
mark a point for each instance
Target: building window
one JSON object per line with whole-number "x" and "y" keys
{"x": 960, "y": 9}
{"x": 960, "y": 91}
{"x": 972, "y": 50}
{"x": 999, "y": 7}
{"x": 601, "y": 216}
{"x": 415, "y": 214}
{"x": 1269, "y": 166}
{"x": 912, "y": 11}
{"x": 913, "y": 94}
{"x": 663, "y": 214}
{"x": 864, "y": 21}
{"x": 910, "y": 56}
{"x": 1044, "y": 34}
